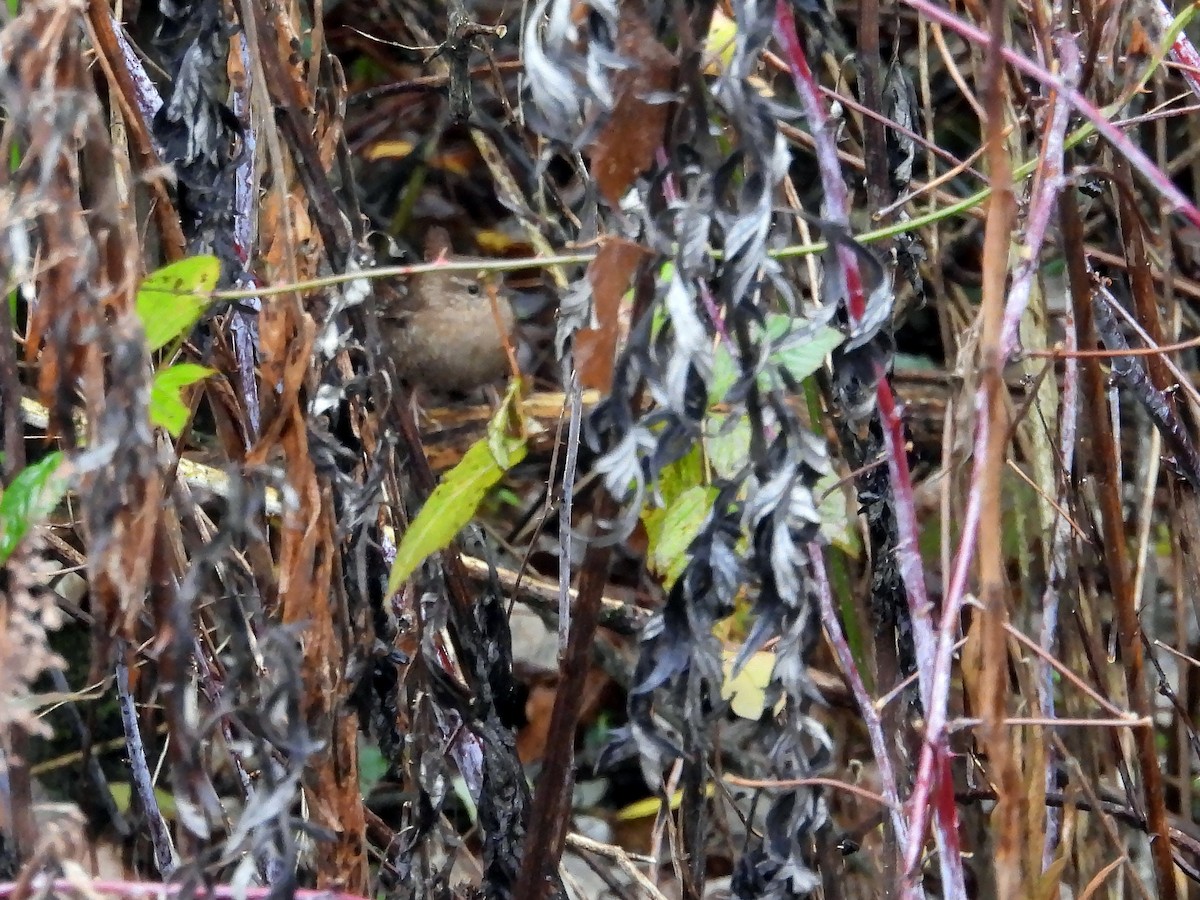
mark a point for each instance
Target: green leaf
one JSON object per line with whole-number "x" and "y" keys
{"x": 658, "y": 316}
{"x": 800, "y": 357}
{"x": 451, "y": 506}
{"x": 681, "y": 522}
{"x": 167, "y": 409}
{"x": 838, "y": 522}
{"x": 805, "y": 357}
{"x": 372, "y": 766}
{"x": 679, "y": 476}
{"x": 727, "y": 443}
{"x": 652, "y": 806}
{"x": 31, "y": 497}
{"x": 122, "y": 793}
{"x": 171, "y": 300}
{"x": 724, "y": 374}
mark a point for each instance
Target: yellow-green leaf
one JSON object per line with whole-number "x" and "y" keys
{"x": 167, "y": 408}
{"x": 451, "y": 506}
{"x": 670, "y": 528}
{"x": 122, "y": 793}
{"x": 172, "y": 299}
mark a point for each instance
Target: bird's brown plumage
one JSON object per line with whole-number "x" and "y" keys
{"x": 441, "y": 327}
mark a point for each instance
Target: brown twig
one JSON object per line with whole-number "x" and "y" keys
{"x": 1104, "y": 451}
{"x": 108, "y": 53}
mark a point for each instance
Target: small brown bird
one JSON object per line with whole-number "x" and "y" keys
{"x": 442, "y": 330}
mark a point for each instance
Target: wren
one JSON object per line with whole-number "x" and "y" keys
{"x": 441, "y": 329}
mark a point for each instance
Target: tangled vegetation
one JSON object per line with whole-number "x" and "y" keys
{"x": 833, "y": 535}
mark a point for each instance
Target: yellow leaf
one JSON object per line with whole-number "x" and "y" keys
{"x": 642, "y": 809}
{"x": 747, "y": 691}
{"x": 388, "y": 150}
{"x": 496, "y": 243}
{"x": 720, "y": 44}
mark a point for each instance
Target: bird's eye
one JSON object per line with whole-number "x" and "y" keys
{"x": 473, "y": 289}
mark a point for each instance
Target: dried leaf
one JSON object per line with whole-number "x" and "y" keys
{"x": 595, "y": 348}
{"x": 634, "y": 129}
